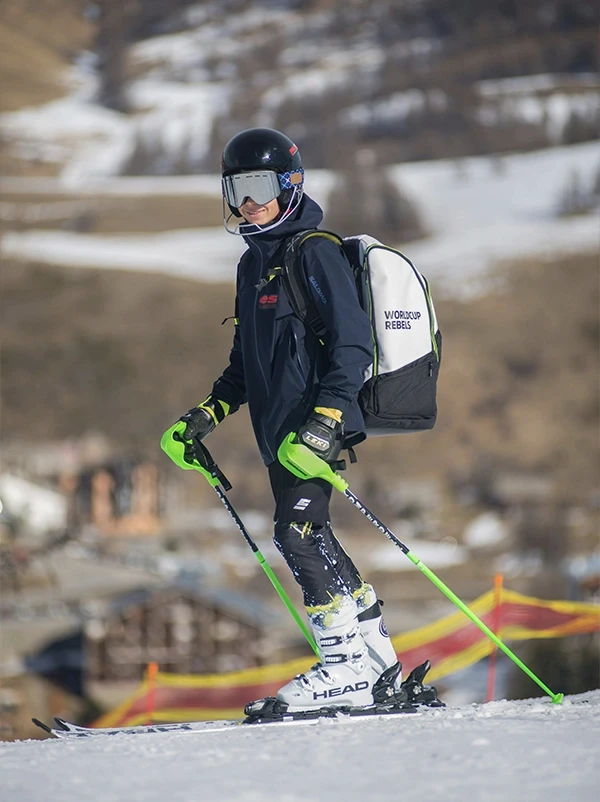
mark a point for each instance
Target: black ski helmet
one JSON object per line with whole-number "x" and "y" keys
{"x": 260, "y": 149}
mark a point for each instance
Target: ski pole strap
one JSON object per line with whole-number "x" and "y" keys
{"x": 206, "y": 464}
{"x": 205, "y": 459}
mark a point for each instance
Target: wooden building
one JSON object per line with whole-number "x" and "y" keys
{"x": 185, "y": 630}
{"x": 89, "y": 637}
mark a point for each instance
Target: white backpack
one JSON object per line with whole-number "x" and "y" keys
{"x": 399, "y": 394}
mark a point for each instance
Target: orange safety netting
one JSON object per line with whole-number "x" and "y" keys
{"x": 451, "y": 644}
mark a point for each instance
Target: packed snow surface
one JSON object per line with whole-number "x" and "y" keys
{"x": 506, "y": 751}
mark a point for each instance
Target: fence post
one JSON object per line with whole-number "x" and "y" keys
{"x": 498, "y": 580}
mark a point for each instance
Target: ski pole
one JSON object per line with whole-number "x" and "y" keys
{"x": 268, "y": 570}
{"x": 304, "y": 463}
{"x": 217, "y": 479}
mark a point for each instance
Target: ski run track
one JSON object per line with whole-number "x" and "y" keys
{"x": 505, "y": 751}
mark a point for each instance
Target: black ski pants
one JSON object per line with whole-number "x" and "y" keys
{"x": 304, "y": 537}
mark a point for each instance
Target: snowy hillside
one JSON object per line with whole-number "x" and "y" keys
{"x": 521, "y": 751}
{"x": 477, "y": 212}
{"x": 381, "y": 74}
{"x": 380, "y": 77}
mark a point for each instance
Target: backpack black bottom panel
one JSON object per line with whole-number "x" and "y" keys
{"x": 402, "y": 401}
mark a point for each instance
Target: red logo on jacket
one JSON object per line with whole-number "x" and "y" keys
{"x": 267, "y": 302}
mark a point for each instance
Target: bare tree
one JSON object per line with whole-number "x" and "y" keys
{"x": 365, "y": 200}
{"x": 110, "y": 45}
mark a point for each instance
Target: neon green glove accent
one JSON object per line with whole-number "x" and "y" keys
{"x": 305, "y": 464}
{"x": 214, "y": 406}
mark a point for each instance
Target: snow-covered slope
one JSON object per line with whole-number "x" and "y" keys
{"x": 274, "y": 59}
{"x": 520, "y": 751}
{"x": 477, "y": 211}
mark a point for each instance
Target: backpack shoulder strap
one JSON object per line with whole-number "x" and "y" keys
{"x": 295, "y": 282}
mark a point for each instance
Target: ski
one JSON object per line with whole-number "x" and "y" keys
{"x": 412, "y": 697}
{"x": 64, "y": 729}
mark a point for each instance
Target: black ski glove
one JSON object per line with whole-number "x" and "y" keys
{"x": 323, "y": 434}
{"x": 201, "y": 420}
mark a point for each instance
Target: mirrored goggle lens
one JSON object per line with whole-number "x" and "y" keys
{"x": 261, "y": 187}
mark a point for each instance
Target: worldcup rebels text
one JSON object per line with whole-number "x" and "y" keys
{"x": 399, "y": 318}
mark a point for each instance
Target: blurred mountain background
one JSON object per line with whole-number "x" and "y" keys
{"x": 465, "y": 134}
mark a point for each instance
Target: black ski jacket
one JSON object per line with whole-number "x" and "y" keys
{"x": 278, "y": 365}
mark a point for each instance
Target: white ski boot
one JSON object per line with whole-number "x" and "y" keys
{"x": 382, "y": 655}
{"x": 344, "y": 675}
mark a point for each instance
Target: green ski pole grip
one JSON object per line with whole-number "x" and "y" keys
{"x": 305, "y": 464}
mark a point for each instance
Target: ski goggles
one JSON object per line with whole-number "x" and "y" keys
{"x": 262, "y": 186}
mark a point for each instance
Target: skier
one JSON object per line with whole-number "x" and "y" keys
{"x": 293, "y": 382}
